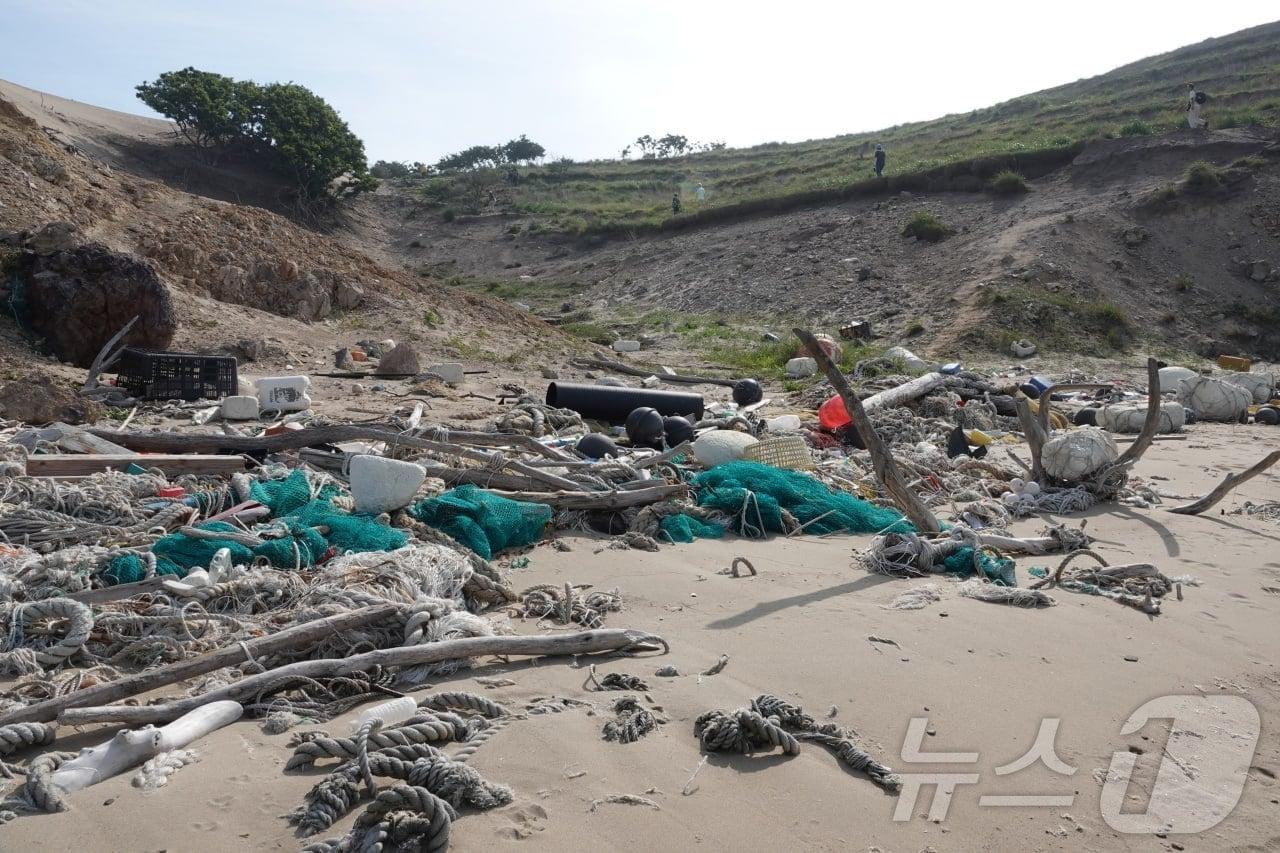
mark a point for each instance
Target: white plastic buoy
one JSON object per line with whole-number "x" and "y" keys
{"x": 240, "y": 408}
{"x": 1213, "y": 399}
{"x": 383, "y": 485}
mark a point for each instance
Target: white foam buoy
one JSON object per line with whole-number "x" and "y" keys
{"x": 240, "y": 408}
{"x": 626, "y": 346}
{"x": 383, "y": 485}
{"x": 451, "y": 372}
{"x": 1214, "y": 399}
{"x": 720, "y": 446}
{"x": 1074, "y": 455}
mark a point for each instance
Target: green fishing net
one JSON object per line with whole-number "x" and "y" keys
{"x": 679, "y": 527}
{"x": 484, "y": 522}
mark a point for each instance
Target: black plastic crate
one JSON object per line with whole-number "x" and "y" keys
{"x": 176, "y": 375}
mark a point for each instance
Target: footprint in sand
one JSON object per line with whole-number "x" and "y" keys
{"x": 206, "y": 825}
{"x": 527, "y": 822}
{"x": 222, "y": 804}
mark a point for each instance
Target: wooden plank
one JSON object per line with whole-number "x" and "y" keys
{"x": 80, "y": 465}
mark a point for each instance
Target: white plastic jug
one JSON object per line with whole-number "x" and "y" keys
{"x": 284, "y": 393}
{"x": 388, "y": 713}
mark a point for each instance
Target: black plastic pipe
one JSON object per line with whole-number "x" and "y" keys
{"x": 612, "y": 404}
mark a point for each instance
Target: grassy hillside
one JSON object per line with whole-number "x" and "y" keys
{"x": 1241, "y": 72}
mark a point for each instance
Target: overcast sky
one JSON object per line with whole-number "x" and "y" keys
{"x": 416, "y": 80}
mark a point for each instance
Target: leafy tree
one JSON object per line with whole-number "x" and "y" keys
{"x": 289, "y": 127}
{"x": 389, "y": 169}
{"x": 523, "y": 150}
{"x": 309, "y": 140}
{"x": 211, "y": 111}
{"x": 672, "y": 145}
{"x": 475, "y": 157}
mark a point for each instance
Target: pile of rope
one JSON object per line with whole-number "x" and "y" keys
{"x": 1136, "y": 585}
{"x": 569, "y": 603}
{"x": 631, "y": 721}
{"x": 530, "y": 417}
{"x": 771, "y": 723}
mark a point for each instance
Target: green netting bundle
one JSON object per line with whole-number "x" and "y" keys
{"x": 998, "y": 570}
{"x": 679, "y": 527}
{"x": 304, "y": 544}
{"x": 287, "y": 494}
{"x": 484, "y": 522}
{"x": 754, "y": 495}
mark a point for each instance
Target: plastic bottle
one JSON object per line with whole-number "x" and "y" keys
{"x": 784, "y": 423}
{"x": 388, "y": 713}
{"x": 833, "y": 415}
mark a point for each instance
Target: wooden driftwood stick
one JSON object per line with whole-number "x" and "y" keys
{"x": 1231, "y": 482}
{"x": 633, "y": 370}
{"x": 580, "y": 643}
{"x": 297, "y": 637}
{"x": 600, "y": 500}
{"x": 1035, "y": 435}
{"x": 1151, "y": 425}
{"x": 886, "y": 469}
{"x": 904, "y": 393}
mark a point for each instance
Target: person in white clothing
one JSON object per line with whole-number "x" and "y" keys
{"x": 1195, "y": 100}
{"x": 700, "y": 193}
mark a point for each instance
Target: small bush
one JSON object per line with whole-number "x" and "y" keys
{"x": 449, "y": 214}
{"x": 1246, "y": 118}
{"x": 1183, "y": 283}
{"x": 923, "y": 225}
{"x": 1008, "y": 182}
{"x": 915, "y": 328}
{"x": 1137, "y": 127}
{"x": 1251, "y": 161}
{"x": 1203, "y": 177}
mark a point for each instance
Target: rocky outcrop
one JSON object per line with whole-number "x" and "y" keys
{"x": 77, "y": 298}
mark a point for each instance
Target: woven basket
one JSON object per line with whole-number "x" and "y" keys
{"x": 784, "y": 451}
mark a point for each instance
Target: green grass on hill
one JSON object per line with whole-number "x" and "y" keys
{"x": 1241, "y": 73}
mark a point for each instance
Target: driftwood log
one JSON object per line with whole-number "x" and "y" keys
{"x": 1231, "y": 482}
{"x": 904, "y": 393}
{"x": 580, "y": 643}
{"x": 171, "y": 442}
{"x": 881, "y": 459}
{"x": 619, "y": 499}
{"x": 1152, "y": 423}
{"x": 290, "y": 639}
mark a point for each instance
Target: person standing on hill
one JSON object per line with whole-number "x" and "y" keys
{"x": 675, "y": 202}
{"x": 700, "y": 193}
{"x": 1195, "y": 100}
{"x": 879, "y": 160}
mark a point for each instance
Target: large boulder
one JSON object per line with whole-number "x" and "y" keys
{"x": 402, "y": 360}
{"x": 34, "y": 399}
{"x": 76, "y": 299}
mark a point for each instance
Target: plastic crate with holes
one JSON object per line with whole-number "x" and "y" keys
{"x": 176, "y": 375}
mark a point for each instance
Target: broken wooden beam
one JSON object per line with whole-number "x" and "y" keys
{"x": 1231, "y": 482}
{"x": 172, "y": 464}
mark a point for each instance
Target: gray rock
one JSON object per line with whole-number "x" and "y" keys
{"x": 1260, "y": 270}
{"x": 401, "y": 360}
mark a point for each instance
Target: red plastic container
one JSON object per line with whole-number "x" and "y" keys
{"x": 171, "y": 492}
{"x": 833, "y": 415}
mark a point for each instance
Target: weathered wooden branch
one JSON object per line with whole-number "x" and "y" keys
{"x": 633, "y": 370}
{"x": 290, "y": 639}
{"x": 1151, "y": 425}
{"x": 886, "y": 469}
{"x": 904, "y": 393}
{"x": 1035, "y": 435}
{"x": 1046, "y": 403}
{"x": 106, "y": 357}
{"x": 1231, "y": 482}
{"x": 601, "y": 500}
{"x": 580, "y": 643}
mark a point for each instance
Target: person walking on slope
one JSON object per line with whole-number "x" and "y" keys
{"x": 1195, "y": 100}
{"x": 675, "y": 202}
{"x": 879, "y": 160}
{"x": 700, "y": 193}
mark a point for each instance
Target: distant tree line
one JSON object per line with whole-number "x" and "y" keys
{"x": 517, "y": 151}
{"x": 671, "y": 145}
{"x": 290, "y": 128}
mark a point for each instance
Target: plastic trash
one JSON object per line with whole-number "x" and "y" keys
{"x": 388, "y": 713}
{"x": 833, "y": 415}
{"x": 783, "y": 423}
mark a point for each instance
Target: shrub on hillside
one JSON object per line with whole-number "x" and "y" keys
{"x": 1008, "y": 182}
{"x": 1137, "y": 127}
{"x": 1203, "y": 177}
{"x": 389, "y": 169}
{"x": 923, "y": 225}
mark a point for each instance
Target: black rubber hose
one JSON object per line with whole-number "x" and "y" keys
{"x": 612, "y": 405}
